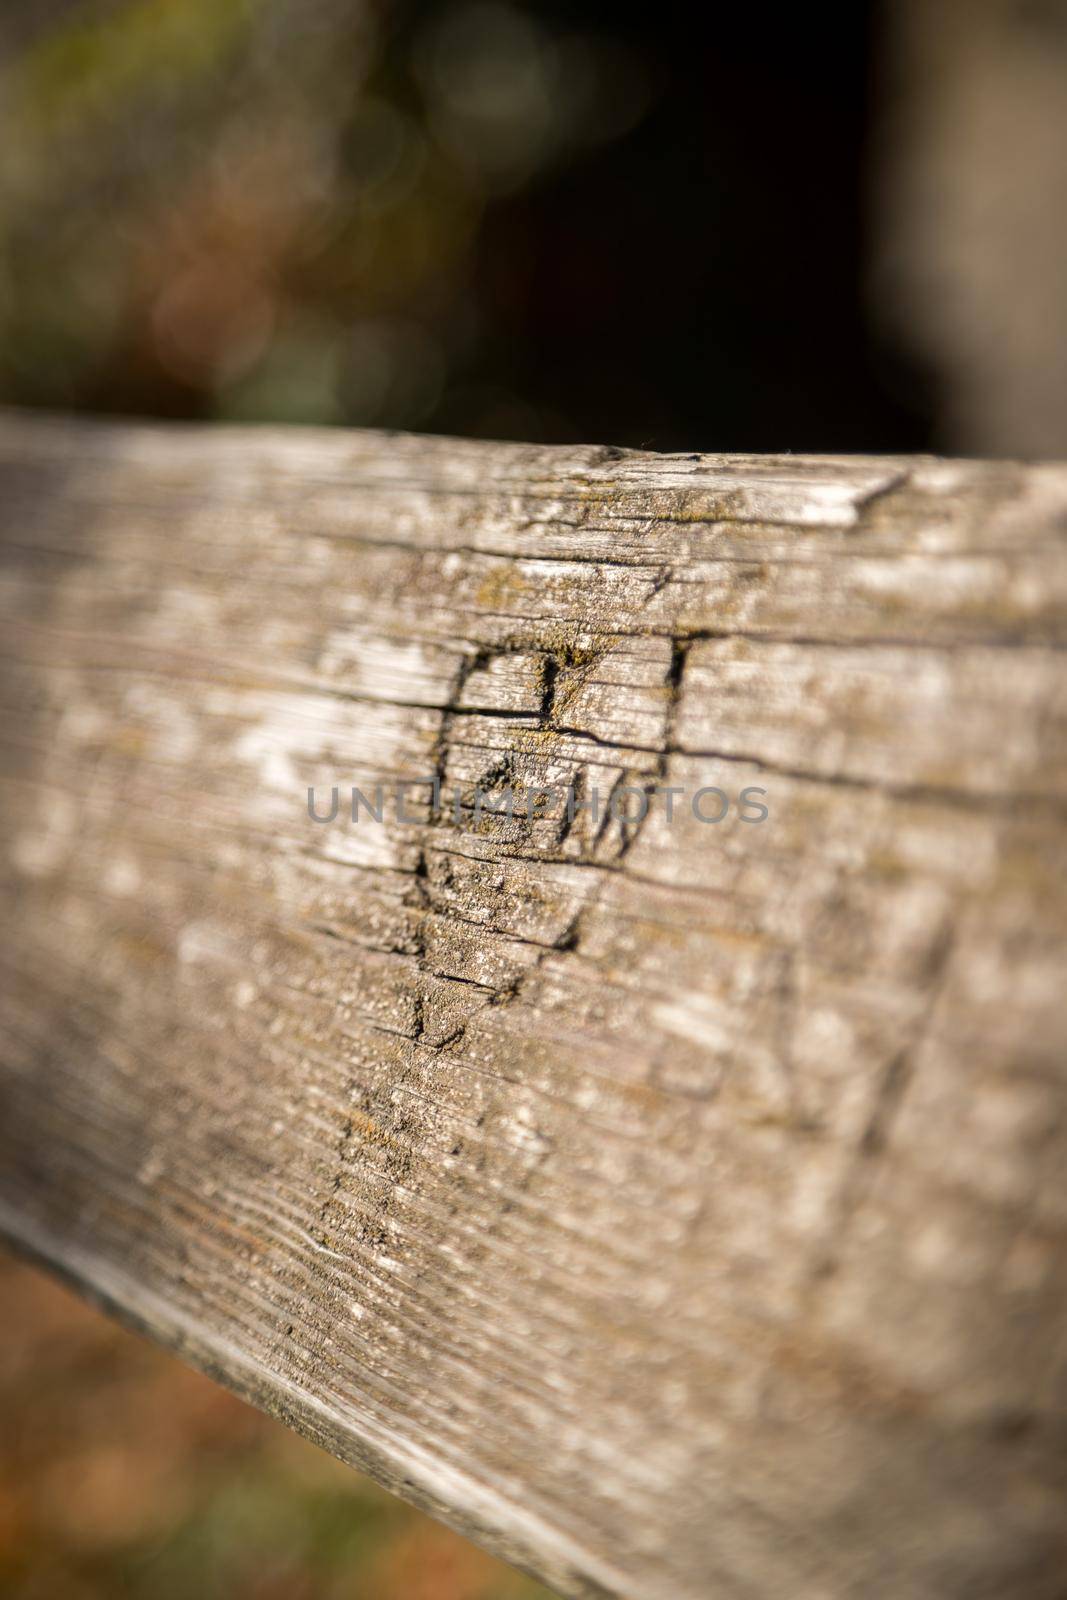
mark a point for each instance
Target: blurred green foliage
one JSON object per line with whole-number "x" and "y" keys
{"x": 266, "y": 209}
{"x": 534, "y": 219}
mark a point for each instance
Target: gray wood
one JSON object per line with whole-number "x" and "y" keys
{"x": 968, "y": 213}
{"x": 675, "y": 1208}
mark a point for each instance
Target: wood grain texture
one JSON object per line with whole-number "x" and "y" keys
{"x": 677, "y": 1209}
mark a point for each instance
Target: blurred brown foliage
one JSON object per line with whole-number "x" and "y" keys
{"x": 127, "y": 1476}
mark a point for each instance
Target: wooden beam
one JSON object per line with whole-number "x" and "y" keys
{"x": 673, "y": 1205}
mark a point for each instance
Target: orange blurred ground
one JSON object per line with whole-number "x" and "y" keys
{"x": 124, "y": 1473}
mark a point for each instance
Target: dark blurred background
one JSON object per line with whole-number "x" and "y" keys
{"x": 548, "y": 222}
{"x": 727, "y": 227}
{"x": 724, "y": 227}
{"x": 721, "y": 227}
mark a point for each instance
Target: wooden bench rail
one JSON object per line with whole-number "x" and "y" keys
{"x": 673, "y": 1204}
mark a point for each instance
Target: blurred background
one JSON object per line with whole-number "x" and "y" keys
{"x": 725, "y": 227}
{"x": 754, "y": 228}
{"x": 127, "y": 1476}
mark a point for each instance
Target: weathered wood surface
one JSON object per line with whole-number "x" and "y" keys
{"x": 678, "y": 1209}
